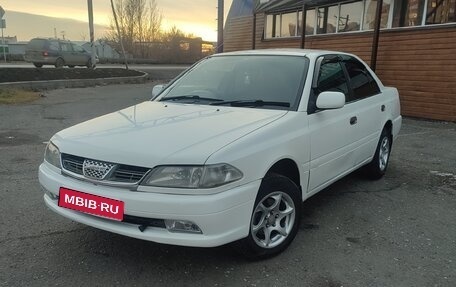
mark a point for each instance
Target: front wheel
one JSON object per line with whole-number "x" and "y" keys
{"x": 377, "y": 167}
{"x": 275, "y": 218}
{"x": 59, "y": 63}
{"x": 38, "y": 65}
{"x": 89, "y": 64}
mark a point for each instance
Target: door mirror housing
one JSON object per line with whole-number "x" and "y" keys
{"x": 330, "y": 100}
{"x": 157, "y": 90}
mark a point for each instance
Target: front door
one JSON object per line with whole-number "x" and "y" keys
{"x": 332, "y": 143}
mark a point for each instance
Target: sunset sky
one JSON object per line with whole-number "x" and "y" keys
{"x": 191, "y": 16}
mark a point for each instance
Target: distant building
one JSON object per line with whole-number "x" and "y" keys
{"x": 17, "y": 48}
{"x": 10, "y": 40}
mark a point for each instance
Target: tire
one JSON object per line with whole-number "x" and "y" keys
{"x": 38, "y": 65}
{"x": 275, "y": 219}
{"x": 376, "y": 169}
{"x": 89, "y": 64}
{"x": 59, "y": 63}
{"x": 70, "y": 66}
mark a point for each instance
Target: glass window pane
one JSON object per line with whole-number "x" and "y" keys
{"x": 361, "y": 81}
{"x": 288, "y": 25}
{"x": 54, "y": 46}
{"x": 299, "y": 30}
{"x": 327, "y": 19}
{"x": 310, "y": 22}
{"x": 350, "y": 16}
{"x": 441, "y": 11}
{"x": 276, "y": 32}
{"x": 332, "y": 78}
{"x": 369, "y": 14}
{"x": 269, "y": 26}
{"x": 408, "y": 13}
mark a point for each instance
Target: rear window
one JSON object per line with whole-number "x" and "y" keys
{"x": 36, "y": 44}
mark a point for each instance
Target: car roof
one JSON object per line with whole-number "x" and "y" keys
{"x": 283, "y": 52}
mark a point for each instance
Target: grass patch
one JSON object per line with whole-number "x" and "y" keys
{"x": 11, "y": 97}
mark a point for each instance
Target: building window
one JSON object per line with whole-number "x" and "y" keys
{"x": 327, "y": 19}
{"x": 440, "y": 11}
{"x": 282, "y": 25}
{"x": 310, "y": 22}
{"x": 269, "y": 26}
{"x": 350, "y": 16}
{"x": 408, "y": 13}
{"x": 357, "y": 15}
{"x": 370, "y": 10}
{"x": 288, "y": 24}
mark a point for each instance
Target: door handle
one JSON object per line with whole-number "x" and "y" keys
{"x": 353, "y": 120}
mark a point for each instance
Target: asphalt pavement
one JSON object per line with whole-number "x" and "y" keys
{"x": 398, "y": 231}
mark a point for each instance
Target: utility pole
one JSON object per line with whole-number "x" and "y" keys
{"x": 118, "y": 33}
{"x": 93, "y": 61}
{"x": 221, "y": 6}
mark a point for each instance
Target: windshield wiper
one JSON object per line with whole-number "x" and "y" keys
{"x": 251, "y": 103}
{"x": 189, "y": 97}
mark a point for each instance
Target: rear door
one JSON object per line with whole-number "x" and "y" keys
{"x": 67, "y": 53}
{"x": 80, "y": 56}
{"x": 367, "y": 102}
{"x": 332, "y": 143}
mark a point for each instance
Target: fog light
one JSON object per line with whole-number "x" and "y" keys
{"x": 50, "y": 194}
{"x": 182, "y": 226}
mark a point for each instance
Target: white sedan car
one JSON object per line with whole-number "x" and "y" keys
{"x": 226, "y": 152}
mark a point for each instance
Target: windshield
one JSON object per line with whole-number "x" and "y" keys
{"x": 259, "y": 81}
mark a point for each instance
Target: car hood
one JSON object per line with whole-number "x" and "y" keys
{"x": 154, "y": 133}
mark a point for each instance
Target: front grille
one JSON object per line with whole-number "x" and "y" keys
{"x": 102, "y": 171}
{"x": 72, "y": 163}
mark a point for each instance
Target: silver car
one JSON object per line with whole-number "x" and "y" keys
{"x": 42, "y": 51}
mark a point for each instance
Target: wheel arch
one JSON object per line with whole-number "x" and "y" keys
{"x": 288, "y": 168}
{"x": 389, "y": 127}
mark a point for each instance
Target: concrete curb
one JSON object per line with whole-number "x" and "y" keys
{"x": 75, "y": 83}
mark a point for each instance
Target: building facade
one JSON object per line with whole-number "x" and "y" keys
{"x": 416, "y": 46}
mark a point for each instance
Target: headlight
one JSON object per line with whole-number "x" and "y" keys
{"x": 52, "y": 155}
{"x": 203, "y": 176}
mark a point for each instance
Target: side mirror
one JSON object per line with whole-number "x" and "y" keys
{"x": 330, "y": 100}
{"x": 156, "y": 90}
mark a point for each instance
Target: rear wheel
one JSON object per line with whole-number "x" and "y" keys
{"x": 89, "y": 64}
{"x": 377, "y": 167}
{"x": 59, "y": 63}
{"x": 275, "y": 218}
{"x": 38, "y": 65}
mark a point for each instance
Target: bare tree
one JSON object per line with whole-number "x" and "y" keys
{"x": 139, "y": 24}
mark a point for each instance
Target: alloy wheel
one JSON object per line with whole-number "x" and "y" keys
{"x": 273, "y": 219}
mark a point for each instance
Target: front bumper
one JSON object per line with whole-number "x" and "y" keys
{"x": 223, "y": 217}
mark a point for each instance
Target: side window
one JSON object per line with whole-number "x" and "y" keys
{"x": 65, "y": 47}
{"x": 77, "y": 48}
{"x": 361, "y": 81}
{"x": 331, "y": 77}
{"x": 53, "y": 45}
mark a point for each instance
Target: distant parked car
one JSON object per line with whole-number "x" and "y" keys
{"x": 42, "y": 51}
{"x": 227, "y": 151}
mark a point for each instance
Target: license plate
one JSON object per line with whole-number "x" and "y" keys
{"x": 91, "y": 204}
